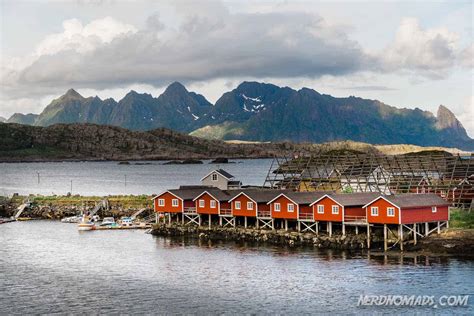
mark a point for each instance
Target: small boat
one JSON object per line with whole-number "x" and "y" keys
{"x": 72, "y": 219}
{"x": 86, "y": 224}
{"x": 126, "y": 221}
{"x": 108, "y": 221}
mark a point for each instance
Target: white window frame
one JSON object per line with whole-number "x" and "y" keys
{"x": 237, "y": 205}
{"x": 277, "y": 207}
{"x": 214, "y": 177}
{"x": 250, "y": 206}
{"x": 213, "y": 204}
{"x": 292, "y": 207}
{"x": 320, "y": 208}
{"x": 372, "y": 209}
{"x": 434, "y": 209}
{"x": 335, "y": 209}
{"x": 161, "y": 202}
{"x": 175, "y": 202}
{"x": 390, "y": 212}
{"x": 202, "y": 203}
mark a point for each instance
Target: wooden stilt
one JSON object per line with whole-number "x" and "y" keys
{"x": 257, "y": 224}
{"x": 299, "y": 226}
{"x": 210, "y": 221}
{"x": 447, "y": 224}
{"x": 245, "y": 221}
{"x": 414, "y": 234}
{"x": 199, "y": 220}
{"x": 182, "y": 218}
{"x": 317, "y": 228}
{"x": 220, "y": 220}
{"x": 439, "y": 228}
{"x": 286, "y": 225}
{"x": 169, "y": 218}
{"x": 368, "y": 236}
{"x": 273, "y": 224}
{"x": 385, "y": 246}
{"x": 357, "y": 230}
{"x": 156, "y": 218}
{"x": 330, "y": 228}
{"x": 400, "y": 231}
{"x": 427, "y": 229}
{"x": 343, "y": 229}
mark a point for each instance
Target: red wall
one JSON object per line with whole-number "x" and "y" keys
{"x": 424, "y": 214}
{"x": 283, "y": 213}
{"x": 168, "y": 208}
{"x": 207, "y": 205}
{"x": 354, "y": 211}
{"x": 243, "y": 199}
{"x": 263, "y": 209}
{"x": 382, "y": 218}
{"x": 328, "y": 216}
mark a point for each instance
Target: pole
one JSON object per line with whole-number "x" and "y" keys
{"x": 385, "y": 237}
{"x": 400, "y": 229}
{"x": 368, "y": 236}
{"x": 414, "y": 233}
{"x": 209, "y": 221}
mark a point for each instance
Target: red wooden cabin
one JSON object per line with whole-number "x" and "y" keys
{"x": 407, "y": 209}
{"x": 342, "y": 207}
{"x": 293, "y": 205}
{"x": 177, "y": 200}
{"x": 253, "y": 203}
{"x": 213, "y": 202}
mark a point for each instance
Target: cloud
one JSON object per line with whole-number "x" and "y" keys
{"x": 107, "y": 53}
{"x": 466, "y": 56}
{"x": 466, "y": 116}
{"x": 430, "y": 52}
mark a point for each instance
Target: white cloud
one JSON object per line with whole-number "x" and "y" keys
{"x": 431, "y": 52}
{"x": 466, "y": 116}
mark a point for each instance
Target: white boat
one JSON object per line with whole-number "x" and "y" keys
{"x": 72, "y": 219}
{"x": 108, "y": 221}
{"x": 85, "y": 224}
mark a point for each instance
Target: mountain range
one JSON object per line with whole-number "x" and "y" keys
{"x": 256, "y": 111}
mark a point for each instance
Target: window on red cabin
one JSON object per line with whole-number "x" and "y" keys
{"x": 434, "y": 209}
{"x": 374, "y": 211}
{"x": 250, "y": 206}
{"x": 161, "y": 202}
{"x": 213, "y": 204}
{"x": 175, "y": 202}
{"x": 237, "y": 205}
{"x": 201, "y": 203}
{"x": 335, "y": 209}
{"x": 291, "y": 208}
{"x": 320, "y": 209}
{"x": 391, "y": 211}
{"x": 277, "y": 207}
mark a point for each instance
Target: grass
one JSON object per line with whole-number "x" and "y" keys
{"x": 124, "y": 201}
{"x": 461, "y": 219}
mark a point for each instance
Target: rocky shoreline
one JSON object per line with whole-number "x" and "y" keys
{"x": 275, "y": 237}
{"x": 456, "y": 243}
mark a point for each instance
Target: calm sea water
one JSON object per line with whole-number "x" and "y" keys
{"x": 105, "y": 178}
{"x": 50, "y": 267}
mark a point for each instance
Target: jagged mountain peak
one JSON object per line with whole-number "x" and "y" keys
{"x": 72, "y": 94}
{"x": 176, "y": 88}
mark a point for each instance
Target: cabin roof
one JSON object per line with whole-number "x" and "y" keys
{"x": 412, "y": 200}
{"x": 354, "y": 199}
{"x": 262, "y": 195}
{"x": 222, "y": 172}
{"x": 301, "y": 197}
{"x": 189, "y": 193}
{"x": 221, "y": 196}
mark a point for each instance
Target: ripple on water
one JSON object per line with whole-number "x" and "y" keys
{"x": 51, "y": 267}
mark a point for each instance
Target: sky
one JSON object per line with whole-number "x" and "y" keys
{"x": 404, "y": 53}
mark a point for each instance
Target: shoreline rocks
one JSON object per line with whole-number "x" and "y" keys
{"x": 276, "y": 237}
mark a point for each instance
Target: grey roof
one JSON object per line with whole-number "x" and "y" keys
{"x": 416, "y": 200}
{"x": 224, "y": 173}
{"x": 189, "y": 193}
{"x": 262, "y": 195}
{"x": 234, "y": 182}
{"x": 306, "y": 197}
{"x": 354, "y": 199}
